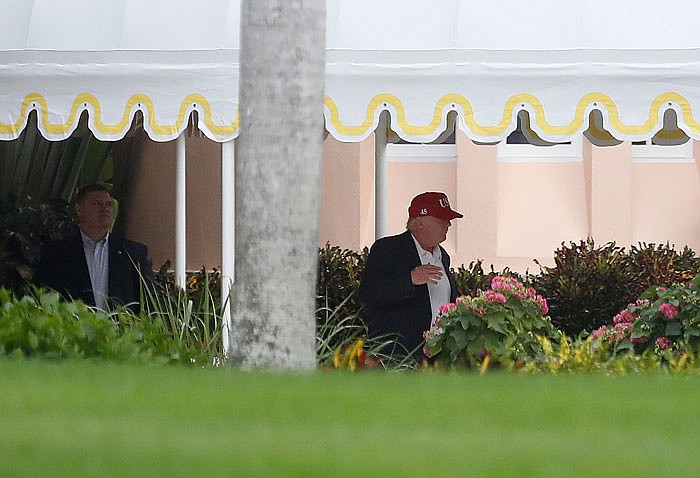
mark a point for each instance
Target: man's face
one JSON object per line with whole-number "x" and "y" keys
{"x": 434, "y": 230}
{"x": 95, "y": 211}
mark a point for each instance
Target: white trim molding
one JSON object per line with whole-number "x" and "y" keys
{"x": 421, "y": 153}
{"x": 652, "y": 153}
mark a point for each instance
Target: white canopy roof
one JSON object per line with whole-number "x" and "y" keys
{"x": 574, "y": 66}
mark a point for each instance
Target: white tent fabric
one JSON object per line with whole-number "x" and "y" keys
{"x": 112, "y": 58}
{"x": 574, "y": 66}
{"x": 628, "y": 59}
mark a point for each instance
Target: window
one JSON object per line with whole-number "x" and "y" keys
{"x": 650, "y": 152}
{"x": 518, "y": 149}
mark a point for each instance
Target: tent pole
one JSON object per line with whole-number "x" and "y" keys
{"x": 381, "y": 176}
{"x": 228, "y": 234}
{"x": 180, "y": 212}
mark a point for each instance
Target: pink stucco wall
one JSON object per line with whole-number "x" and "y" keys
{"x": 515, "y": 212}
{"x": 665, "y": 199}
{"x": 151, "y": 217}
{"x": 534, "y": 216}
{"x": 519, "y": 212}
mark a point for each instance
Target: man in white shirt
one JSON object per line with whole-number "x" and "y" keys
{"x": 407, "y": 277}
{"x": 96, "y": 266}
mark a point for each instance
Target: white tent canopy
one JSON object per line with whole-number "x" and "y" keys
{"x": 112, "y": 58}
{"x": 617, "y": 70}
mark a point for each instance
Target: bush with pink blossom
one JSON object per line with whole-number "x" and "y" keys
{"x": 502, "y": 323}
{"x": 664, "y": 319}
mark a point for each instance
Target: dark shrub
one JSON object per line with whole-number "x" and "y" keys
{"x": 661, "y": 265}
{"x": 587, "y": 286}
{"x": 24, "y": 228}
{"x": 471, "y": 279}
{"x": 336, "y": 290}
{"x": 201, "y": 285}
{"x": 339, "y": 277}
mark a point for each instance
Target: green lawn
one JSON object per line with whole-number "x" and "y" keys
{"x": 103, "y": 420}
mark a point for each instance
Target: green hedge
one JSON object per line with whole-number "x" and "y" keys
{"x": 587, "y": 286}
{"x": 42, "y": 325}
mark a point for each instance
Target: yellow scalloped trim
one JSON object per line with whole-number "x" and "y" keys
{"x": 84, "y": 99}
{"x": 518, "y": 101}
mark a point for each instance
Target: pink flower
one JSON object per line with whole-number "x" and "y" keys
{"x": 505, "y": 284}
{"x": 619, "y": 333}
{"x": 663, "y": 342}
{"x": 492, "y": 296}
{"x": 669, "y": 310}
{"x": 542, "y": 302}
{"x": 480, "y": 311}
{"x": 624, "y": 317}
{"x": 600, "y": 331}
{"x": 446, "y": 308}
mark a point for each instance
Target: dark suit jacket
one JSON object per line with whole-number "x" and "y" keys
{"x": 63, "y": 268}
{"x": 393, "y": 305}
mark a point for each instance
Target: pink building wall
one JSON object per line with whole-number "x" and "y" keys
{"x": 519, "y": 212}
{"x": 151, "y": 217}
{"x": 515, "y": 212}
{"x": 666, "y": 212}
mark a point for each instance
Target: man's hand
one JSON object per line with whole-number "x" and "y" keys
{"x": 427, "y": 274}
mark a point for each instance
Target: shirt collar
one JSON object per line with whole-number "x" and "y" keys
{"x": 86, "y": 239}
{"x": 435, "y": 253}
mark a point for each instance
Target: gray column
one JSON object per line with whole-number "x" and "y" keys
{"x": 278, "y": 184}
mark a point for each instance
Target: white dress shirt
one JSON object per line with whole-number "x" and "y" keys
{"x": 97, "y": 257}
{"x": 440, "y": 292}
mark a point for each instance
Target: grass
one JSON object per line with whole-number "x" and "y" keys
{"x": 74, "y": 419}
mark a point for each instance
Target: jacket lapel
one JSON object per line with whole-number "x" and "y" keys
{"x": 117, "y": 256}
{"x": 80, "y": 271}
{"x": 410, "y": 249}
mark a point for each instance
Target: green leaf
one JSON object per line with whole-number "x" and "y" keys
{"x": 626, "y": 344}
{"x": 48, "y": 178}
{"x": 469, "y": 320}
{"x": 25, "y": 155}
{"x": 497, "y": 323}
{"x": 460, "y": 337}
{"x": 638, "y": 332}
{"x": 692, "y": 332}
{"x": 673, "y": 328}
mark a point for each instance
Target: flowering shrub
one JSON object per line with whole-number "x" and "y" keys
{"x": 501, "y": 324}
{"x": 352, "y": 358}
{"x": 665, "y": 319}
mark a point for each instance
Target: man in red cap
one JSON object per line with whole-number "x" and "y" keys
{"x": 407, "y": 277}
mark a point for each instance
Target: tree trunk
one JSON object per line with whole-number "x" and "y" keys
{"x": 278, "y": 171}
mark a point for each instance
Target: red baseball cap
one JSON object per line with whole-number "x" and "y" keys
{"x": 432, "y": 204}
